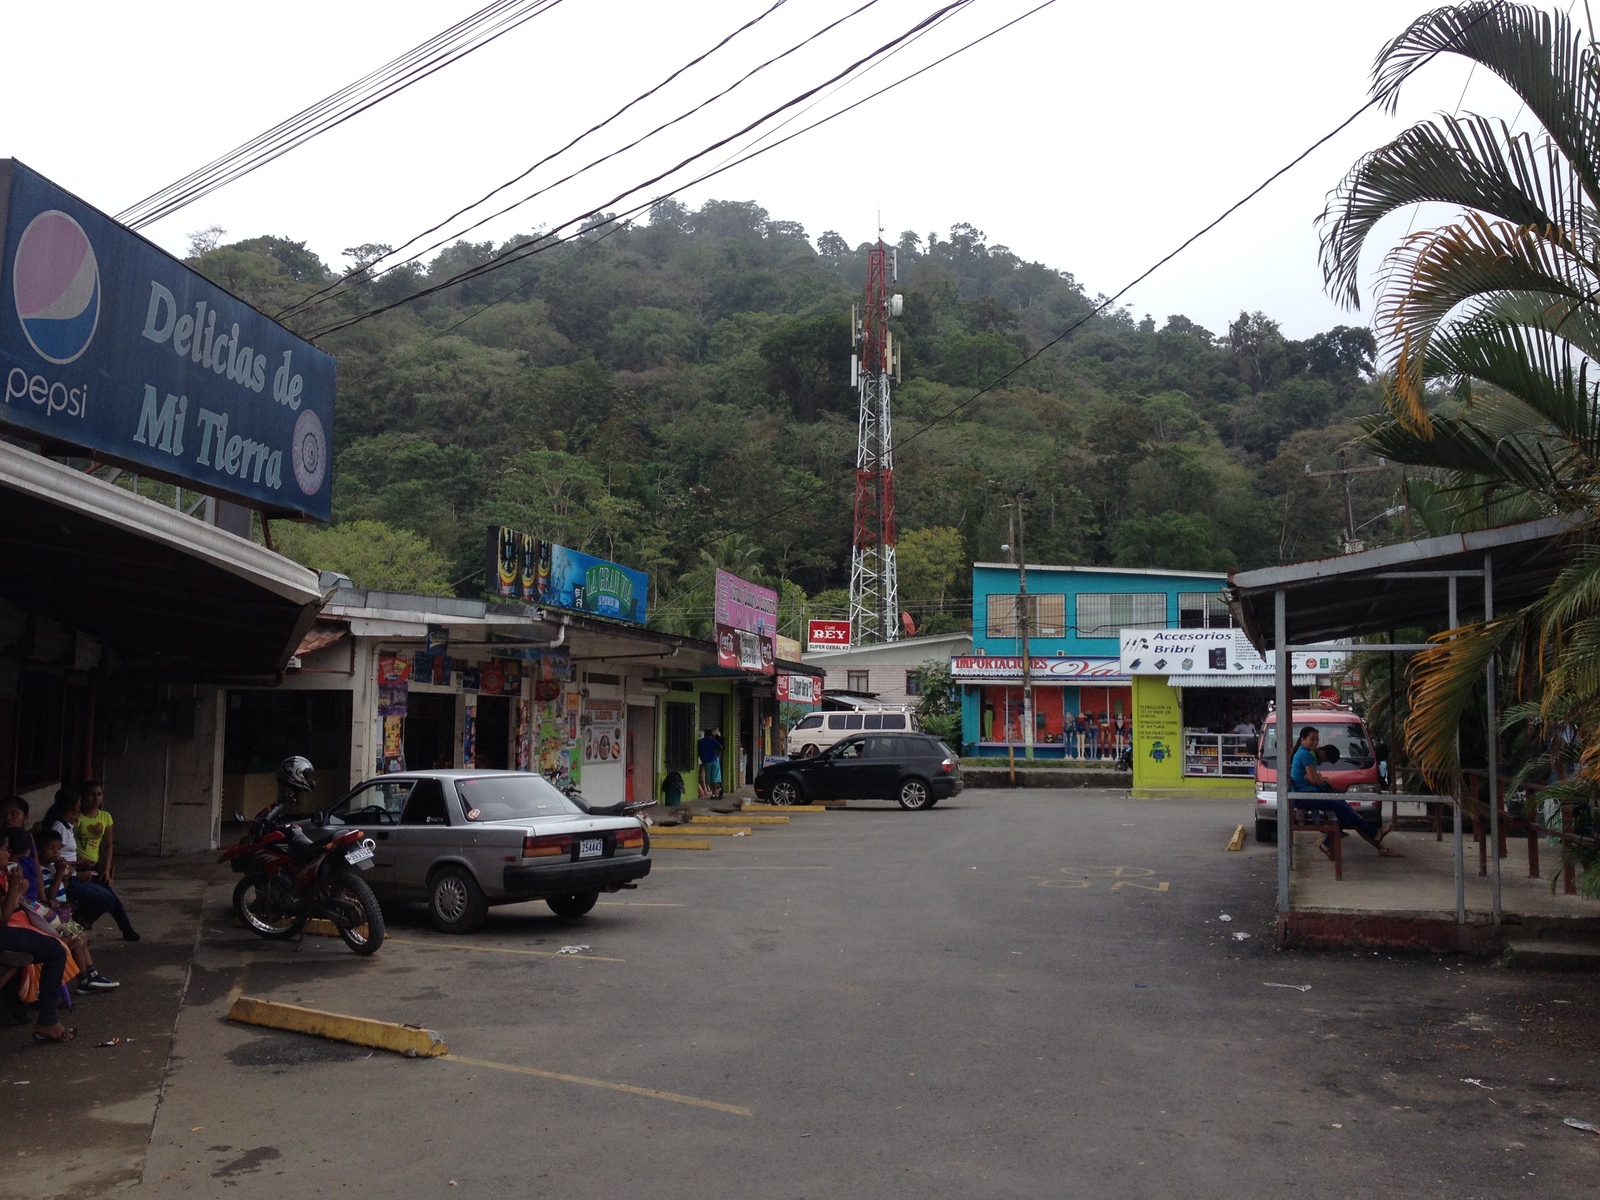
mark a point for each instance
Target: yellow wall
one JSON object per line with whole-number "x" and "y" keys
{"x": 1158, "y": 745}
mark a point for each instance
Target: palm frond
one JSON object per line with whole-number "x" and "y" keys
{"x": 1444, "y": 682}
{"x": 1468, "y": 161}
{"x": 1434, "y": 273}
{"x": 1540, "y": 56}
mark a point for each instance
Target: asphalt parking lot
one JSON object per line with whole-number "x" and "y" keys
{"x": 1013, "y": 994}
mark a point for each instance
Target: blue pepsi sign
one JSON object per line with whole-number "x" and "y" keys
{"x": 110, "y": 344}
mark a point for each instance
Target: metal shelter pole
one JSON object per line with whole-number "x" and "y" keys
{"x": 1494, "y": 743}
{"x": 1280, "y": 633}
{"x": 1461, "y": 878}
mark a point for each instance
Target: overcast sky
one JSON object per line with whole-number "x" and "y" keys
{"x": 1092, "y": 137}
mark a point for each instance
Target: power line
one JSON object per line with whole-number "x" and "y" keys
{"x": 450, "y": 46}
{"x": 642, "y": 96}
{"x": 516, "y": 253}
{"x": 338, "y": 289}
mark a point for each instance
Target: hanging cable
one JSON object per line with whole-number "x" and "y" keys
{"x": 335, "y": 290}
{"x": 450, "y": 46}
{"x": 525, "y": 249}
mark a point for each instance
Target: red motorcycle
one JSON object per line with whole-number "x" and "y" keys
{"x": 292, "y": 877}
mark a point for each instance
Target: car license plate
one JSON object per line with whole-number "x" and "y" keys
{"x": 361, "y": 857}
{"x": 591, "y": 847}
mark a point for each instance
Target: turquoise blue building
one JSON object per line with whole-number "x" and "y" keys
{"x": 1076, "y": 616}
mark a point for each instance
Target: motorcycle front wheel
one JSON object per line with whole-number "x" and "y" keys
{"x": 252, "y": 908}
{"x": 354, "y": 911}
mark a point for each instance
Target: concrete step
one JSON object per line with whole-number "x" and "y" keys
{"x": 1553, "y": 955}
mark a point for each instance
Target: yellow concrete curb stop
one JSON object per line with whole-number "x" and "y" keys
{"x": 358, "y": 1031}
{"x": 735, "y": 819}
{"x": 783, "y": 808}
{"x": 1237, "y": 841}
{"x": 659, "y": 842}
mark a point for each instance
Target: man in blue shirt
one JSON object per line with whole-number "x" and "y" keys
{"x": 1305, "y": 777}
{"x": 709, "y": 749}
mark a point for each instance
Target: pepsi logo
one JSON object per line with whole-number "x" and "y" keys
{"x": 56, "y": 283}
{"x": 310, "y": 452}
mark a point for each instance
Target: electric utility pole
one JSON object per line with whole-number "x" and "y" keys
{"x": 874, "y": 587}
{"x": 1023, "y": 613}
{"x": 1351, "y": 542}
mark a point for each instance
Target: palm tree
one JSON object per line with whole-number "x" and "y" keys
{"x": 1489, "y": 327}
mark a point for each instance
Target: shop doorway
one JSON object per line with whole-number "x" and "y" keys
{"x": 264, "y": 728}
{"x": 493, "y": 747}
{"x": 430, "y": 730}
{"x": 641, "y": 756}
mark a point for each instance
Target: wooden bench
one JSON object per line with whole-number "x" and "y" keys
{"x": 1302, "y": 820}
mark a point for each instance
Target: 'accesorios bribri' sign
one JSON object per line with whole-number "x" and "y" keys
{"x": 110, "y": 344}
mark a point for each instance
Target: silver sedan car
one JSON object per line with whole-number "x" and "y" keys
{"x": 464, "y": 840}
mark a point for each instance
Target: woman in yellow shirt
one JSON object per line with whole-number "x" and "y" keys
{"x": 93, "y": 830}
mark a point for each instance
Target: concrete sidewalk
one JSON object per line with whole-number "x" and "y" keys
{"x": 79, "y": 1116}
{"x": 1411, "y": 901}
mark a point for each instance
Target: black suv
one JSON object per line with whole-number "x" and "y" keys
{"x": 915, "y": 769}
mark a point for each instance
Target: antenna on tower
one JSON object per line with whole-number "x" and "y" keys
{"x": 874, "y": 586}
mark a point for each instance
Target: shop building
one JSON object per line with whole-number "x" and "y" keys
{"x": 385, "y": 681}
{"x": 884, "y": 673}
{"x": 1200, "y": 698}
{"x": 1083, "y": 699}
{"x": 123, "y": 621}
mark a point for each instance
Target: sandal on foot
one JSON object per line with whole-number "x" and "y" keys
{"x": 46, "y": 1039}
{"x": 1326, "y": 849}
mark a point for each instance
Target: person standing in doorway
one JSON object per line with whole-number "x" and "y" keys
{"x": 93, "y": 827}
{"x": 709, "y": 749}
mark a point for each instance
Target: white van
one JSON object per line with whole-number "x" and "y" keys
{"x": 820, "y": 730}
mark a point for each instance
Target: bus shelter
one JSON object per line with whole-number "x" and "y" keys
{"x": 1435, "y": 583}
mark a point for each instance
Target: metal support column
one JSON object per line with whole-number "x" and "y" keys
{"x": 1461, "y": 878}
{"x": 1280, "y": 634}
{"x": 1494, "y": 744}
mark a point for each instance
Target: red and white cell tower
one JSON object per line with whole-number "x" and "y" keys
{"x": 874, "y": 591}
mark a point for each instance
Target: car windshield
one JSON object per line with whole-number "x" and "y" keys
{"x": 510, "y": 797}
{"x": 1347, "y": 737}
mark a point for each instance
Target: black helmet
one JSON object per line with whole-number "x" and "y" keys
{"x": 297, "y": 774}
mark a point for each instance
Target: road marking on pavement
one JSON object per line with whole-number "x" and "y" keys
{"x": 698, "y": 830}
{"x": 408, "y": 1040}
{"x": 636, "y": 904}
{"x": 1085, "y": 877}
{"x": 505, "y": 950}
{"x": 631, "y": 1089}
{"x": 744, "y": 868}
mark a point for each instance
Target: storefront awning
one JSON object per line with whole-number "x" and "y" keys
{"x": 167, "y": 594}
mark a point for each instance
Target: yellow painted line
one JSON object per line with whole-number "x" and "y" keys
{"x": 697, "y": 831}
{"x": 358, "y": 1031}
{"x": 443, "y": 945}
{"x": 631, "y": 1089}
{"x": 735, "y": 819}
{"x": 784, "y": 808}
{"x": 662, "y": 843}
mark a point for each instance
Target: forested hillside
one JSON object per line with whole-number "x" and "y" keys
{"x": 676, "y": 394}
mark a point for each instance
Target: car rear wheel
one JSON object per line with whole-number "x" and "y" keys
{"x": 456, "y": 902}
{"x": 915, "y": 794}
{"x": 784, "y": 791}
{"x": 1266, "y": 831}
{"x": 577, "y": 904}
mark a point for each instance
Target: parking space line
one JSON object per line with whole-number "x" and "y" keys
{"x": 631, "y": 1089}
{"x": 506, "y": 950}
{"x": 823, "y": 868}
{"x": 635, "y": 904}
